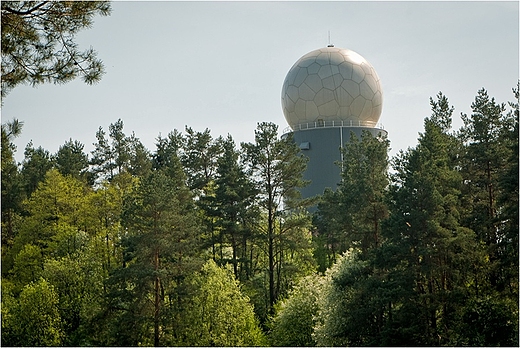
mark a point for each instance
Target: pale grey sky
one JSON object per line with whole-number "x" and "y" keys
{"x": 221, "y": 65}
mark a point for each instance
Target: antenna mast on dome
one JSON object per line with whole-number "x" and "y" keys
{"x": 330, "y": 45}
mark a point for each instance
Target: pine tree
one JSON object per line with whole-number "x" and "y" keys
{"x": 358, "y": 205}
{"x": 508, "y": 201}
{"x": 329, "y": 220}
{"x": 38, "y": 42}
{"x": 160, "y": 247}
{"x": 199, "y": 159}
{"x": 425, "y": 235}
{"x": 277, "y": 166}
{"x": 140, "y": 163}
{"x": 102, "y": 158}
{"x": 36, "y": 163}
{"x": 230, "y": 206}
{"x": 118, "y": 154}
{"x": 487, "y": 151}
{"x": 168, "y": 151}
{"x": 71, "y": 160}
{"x": 12, "y": 190}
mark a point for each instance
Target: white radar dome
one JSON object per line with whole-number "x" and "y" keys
{"x": 332, "y": 86}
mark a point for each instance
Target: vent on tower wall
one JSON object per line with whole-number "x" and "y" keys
{"x": 305, "y": 145}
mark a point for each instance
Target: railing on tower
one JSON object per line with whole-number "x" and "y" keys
{"x": 332, "y": 124}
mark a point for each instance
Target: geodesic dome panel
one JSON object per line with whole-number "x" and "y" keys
{"x": 332, "y": 84}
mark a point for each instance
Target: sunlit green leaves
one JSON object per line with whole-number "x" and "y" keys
{"x": 297, "y": 315}
{"x": 34, "y": 319}
{"x": 219, "y": 314}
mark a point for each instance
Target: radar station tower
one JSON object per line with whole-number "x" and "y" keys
{"x": 327, "y": 94}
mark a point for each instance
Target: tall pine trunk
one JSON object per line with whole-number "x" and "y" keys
{"x": 270, "y": 234}
{"x": 157, "y": 302}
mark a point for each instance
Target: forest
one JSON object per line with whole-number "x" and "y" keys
{"x": 205, "y": 242}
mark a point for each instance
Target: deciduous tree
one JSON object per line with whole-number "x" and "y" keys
{"x": 219, "y": 314}
{"x": 57, "y": 220}
{"x": 35, "y": 319}
{"x": 296, "y": 316}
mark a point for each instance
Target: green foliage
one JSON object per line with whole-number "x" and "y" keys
{"x": 106, "y": 205}
{"x": 140, "y": 163}
{"x": 28, "y": 265}
{"x": 330, "y": 239}
{"x": 293, "y": 251}
{"x": 167, "y": 153}
{"x": 507, "y": 199}
{"x": 9, "y": 307}
{"x": 345, "y": 316}
{"x": 361, "y": 193}
{"x": 425, "y": 231}
{"x": 219, "y": 314}
{"x": 160, "y": 250}
{"x": 38, "y": 42}
{"x": 363, "y": 185}
{"x": 102, "y": 157}
{"x": 34, "y": 167}
{"x": 277, "y": 166}
{"x": 71, "y": 160}
{"x": 57, "y": 215}
{"x": 431, "y": 249}
{"x": 118, "y": 154}
{"x": 295, "y": 319}
{"x": 34, "y": 320}
{"x": 486, "y": 157}
{"x": 78, "y": 282}
{"x": 489, "y": 147}
{"x": 230, "y": 211}
{"x": 199, "y": 158}
{"x": 429, "y": 278}
{"x": 12, "y": 185}
{"x": 489, "y": 321}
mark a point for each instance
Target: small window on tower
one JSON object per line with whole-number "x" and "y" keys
{"x": 305, "y": 145}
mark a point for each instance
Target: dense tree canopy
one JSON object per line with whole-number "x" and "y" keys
{"x": 203, "y": 242}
